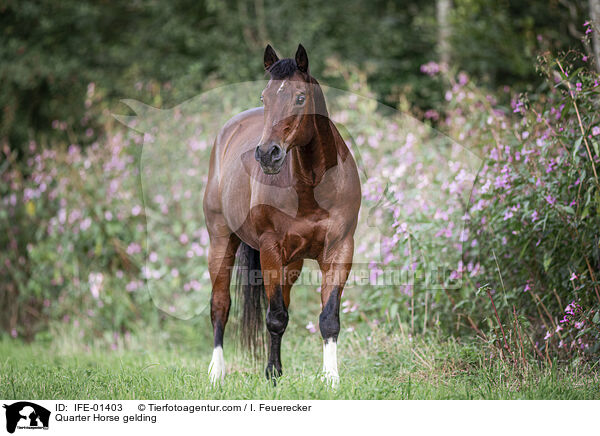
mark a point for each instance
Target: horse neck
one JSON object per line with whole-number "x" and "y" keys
{"x": 311, "y": 161}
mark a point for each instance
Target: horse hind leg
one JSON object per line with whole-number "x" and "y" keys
{"x": 221, "y": 258}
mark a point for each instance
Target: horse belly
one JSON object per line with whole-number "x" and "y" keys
{"x": 235, "y": 195}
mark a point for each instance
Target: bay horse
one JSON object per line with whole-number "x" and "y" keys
{"x": 282, "y": 187}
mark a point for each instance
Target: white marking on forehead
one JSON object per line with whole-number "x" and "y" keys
{"x": 281, "y": 87}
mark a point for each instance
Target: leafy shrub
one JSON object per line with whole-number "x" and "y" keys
{"x": 534, "y": 211}
{"x": 74, "y": 227}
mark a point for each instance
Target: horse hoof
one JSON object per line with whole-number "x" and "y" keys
{"x": 272, "y": 373}
{"x": 331, "y": 379}
{"x": 215, "y": 374}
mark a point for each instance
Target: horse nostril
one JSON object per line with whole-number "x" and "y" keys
{"x": 275, "y": 152}
{"x": 257, "y": 153}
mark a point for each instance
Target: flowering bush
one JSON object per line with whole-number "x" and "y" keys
{"x": 73, "y": 224}
{"x": 530, "y": 251}
{"x": 533, "y": 214}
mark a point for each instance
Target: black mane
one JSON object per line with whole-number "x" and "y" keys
{"x": 283, "y": 68}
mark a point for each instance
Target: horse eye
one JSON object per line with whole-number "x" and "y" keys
{"x": 262, "y": 99}
{"x": 300, "y": 99}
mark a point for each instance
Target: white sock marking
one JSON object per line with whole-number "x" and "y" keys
{"x": 216, "y": 369}
{"x": 330, "y": 362}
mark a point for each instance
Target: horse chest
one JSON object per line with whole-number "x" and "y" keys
{"x": 297, "y": 236}
{"x": 304, "y": 238}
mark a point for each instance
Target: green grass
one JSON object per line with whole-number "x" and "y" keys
{"x": 384, "y": 367}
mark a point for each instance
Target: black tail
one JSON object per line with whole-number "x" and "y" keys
{"x": 250, "y": 296}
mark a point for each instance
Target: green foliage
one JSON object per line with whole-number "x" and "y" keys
{"x": 165, "y": 52}
{"x": 534, "y": 210}
{"x": 73, "y": 223}
{"x": 496, "y": 40}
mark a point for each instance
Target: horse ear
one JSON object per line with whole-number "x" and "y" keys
{"x": 270, "y": 57}
{"x": 302, "y": 59}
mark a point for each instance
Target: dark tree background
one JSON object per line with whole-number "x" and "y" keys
{"x": 50, "y": 51}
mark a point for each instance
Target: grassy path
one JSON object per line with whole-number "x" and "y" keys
{"x": 371, "y": 367}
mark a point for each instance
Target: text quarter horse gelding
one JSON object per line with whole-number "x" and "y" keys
{"x": 282, "y": 187}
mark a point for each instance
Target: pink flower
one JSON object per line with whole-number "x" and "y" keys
{"x": 432, "y": 115}
{"x": 132, "y": 286}
{"x": 85, "y": 224}
{"x": 95, "y": 281}
{"x": 134, "y": 248}
{"x": 573, "y": 276}
{"x": 311, "y": 327}
{"x": 596, "y": 130}
{"x": 430, "y": 68}
{"x": 534, "y": 216}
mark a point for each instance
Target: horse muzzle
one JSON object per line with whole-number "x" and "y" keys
{"x": 270, "y": 160}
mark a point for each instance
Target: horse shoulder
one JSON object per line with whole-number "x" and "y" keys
{"x": 237, "y": 128}
{"x": 339, "y": 194}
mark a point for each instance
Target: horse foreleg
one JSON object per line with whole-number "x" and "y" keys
{"x": 221, "y": 258}
{"x": 291, "y": 273}
{"x": 277, "y": 314}
{"x": 278, "y": 282}
{"x": 277, "y": 317}
{"x": 335, "y": 268}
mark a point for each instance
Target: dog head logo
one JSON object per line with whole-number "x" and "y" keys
{"x": 26, "y": 415}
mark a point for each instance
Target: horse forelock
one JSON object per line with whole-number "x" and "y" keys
{"x": 283, "y": 68}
